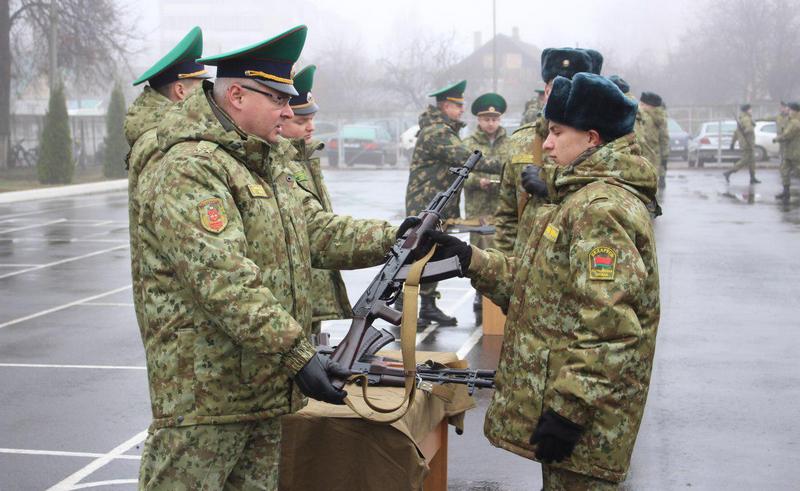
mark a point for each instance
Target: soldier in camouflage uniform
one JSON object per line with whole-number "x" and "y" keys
{"x": 533, "y": 108}
{"x": 227, "y": 251}
{"x": 582, "y": 298}
{"x": 656, "y": 132}
{"x": 516, "y": 207}
{"x": 482, "y": 185}
{"x": 170, "y": 81}
{"x": 327, "y": 286}
{"x": 643, "y": 121}
{"x": 746, "y": 136}
{"x": 437, "y": 149}
{"x": 789, "y": 138}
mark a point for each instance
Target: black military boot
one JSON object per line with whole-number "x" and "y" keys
{"x": 431, "y": 313}
{"x": 784, "y": 195}
{"x": 398, "y": 305}
{"x": 477, "y": 307}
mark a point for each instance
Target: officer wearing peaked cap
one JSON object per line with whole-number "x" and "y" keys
{"x": 169, "y": 81}
{"x": 574, "y": 368}
{"x": 525, "y": 148}
{"x": 227, "y": 248}
{"x": 327, "y": 286}
{"x": 533, "y": 107}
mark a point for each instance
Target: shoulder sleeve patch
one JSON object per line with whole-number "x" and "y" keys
{"x": 602, "y": 263}
{"x": 213, "y": 217}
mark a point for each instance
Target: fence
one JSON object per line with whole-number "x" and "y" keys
{"x": 88, "y": 133}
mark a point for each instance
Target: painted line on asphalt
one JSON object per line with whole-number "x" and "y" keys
{"x": 59, "y": 453}
{"x": 98, "y": 484}
{"x": 62, "y": 209}
{"x": 70, "y": 481}
{"x": 461, "y": 301}
{"x": 62, "y": 240}
{"x": 81, "y": 367}
{"x": 473, "y": 339}
{"x": 62, "y": 307}
{"x": 19, "y": 265}
{"x": 64, "y": 261}
{"x": 37, "y": 225}
{"x": 108, "y": 304}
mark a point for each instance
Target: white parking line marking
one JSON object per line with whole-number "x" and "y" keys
{"x": 58, "y": 453}
{"x": 64, "y": 240}
{"x": 98, "y": 484}
{"x": 27, "y": 227}
{"x": 98, "y": 463}
{"x": 62, "y": 209}
{"x": 19, "y": 265}
{"x": 473, "y": 339}
{"x": 82, "y": 367}
{"x": 62, "y": 307}
{"x": 64, "y": 261}
{"x": 461, "y": 301}
{"x": 108, "y": 304}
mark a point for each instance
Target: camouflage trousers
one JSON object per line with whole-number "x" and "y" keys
{"x": 789, "y": 167}
{"x": 748, "y": 160}
{"x": 555, "y": 479}
{"x": 238, "y": 456}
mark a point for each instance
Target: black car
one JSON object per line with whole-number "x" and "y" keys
{"x": 678, "y": 140}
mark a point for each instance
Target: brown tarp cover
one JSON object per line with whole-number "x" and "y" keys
{"x": 328, "y": 447}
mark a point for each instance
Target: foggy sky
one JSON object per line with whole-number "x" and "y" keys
{"x": 622, "y": 29}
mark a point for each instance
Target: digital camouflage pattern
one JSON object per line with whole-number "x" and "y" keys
{"x": 746, "y": 136}
{"x": 231, "y": 456}
{"x": 327, "y": 286}
{"x": 512, "y": 197}
{"x": 481, "y": 203}
{"x": 532, "y": 111}
{"x": 556, "y": 479}
{"x": 651, "y": 131}
{"x": 438, "y": 148}
{"x": 789, "y": 137}
{"x": 662, "y": 121}
{"x": 583, "y": 310}
{"x": 227, "y": 252}
{"x": 141, "y": 121}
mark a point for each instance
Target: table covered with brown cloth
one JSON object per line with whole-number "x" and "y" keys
{"x": 328, "y": 447}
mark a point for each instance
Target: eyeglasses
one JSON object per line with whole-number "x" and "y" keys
{"x": 277, "y": 100}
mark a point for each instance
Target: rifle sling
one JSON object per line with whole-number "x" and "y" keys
{"x": 408, "y": 336}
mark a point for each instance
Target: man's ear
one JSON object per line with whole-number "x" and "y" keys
{"x": 594, "y": 138}
{"x": 234, "y": 95}
{"x": 179, "y": 91}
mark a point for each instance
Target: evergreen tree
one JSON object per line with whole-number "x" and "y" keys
{"x": 116, "y": 146}
{"x": 55, "y": 165}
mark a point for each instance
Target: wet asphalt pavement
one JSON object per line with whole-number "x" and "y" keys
{"x": 722, "y": 411}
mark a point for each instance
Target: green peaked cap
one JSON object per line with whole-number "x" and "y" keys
{"x": 490, "y": 103}
{"x": 178, "y": 63}
{"x": 303, "y": 103}
{"x": 268, "y": 62}
{"x": 452, "y": 93}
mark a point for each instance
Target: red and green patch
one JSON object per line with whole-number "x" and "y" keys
{"x": 602, "y": 263}
{"x": 212, "y": 215}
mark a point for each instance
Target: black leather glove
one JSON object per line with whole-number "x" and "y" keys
{"x": 409, "y": 222}
{"x": 314, "y": 379}
{"x": 532, "y": 183}
{"x": 555, "y": 437}
{"x": 449, "y": 246}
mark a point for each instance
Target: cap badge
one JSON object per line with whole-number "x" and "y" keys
{"x": 565, "y": 63}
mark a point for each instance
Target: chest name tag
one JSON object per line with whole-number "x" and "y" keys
{"x": 602, "y": 263}
{"x": 551, "y": 233}
{"x": 257, "y": 191}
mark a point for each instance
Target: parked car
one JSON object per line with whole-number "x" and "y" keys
{"x": 713, "y": 140}
{"x": 678, "y": 140}
{"x": 363, "y": 144}
{"x": 408, "y": 140}
{"x": 766, "y": 131}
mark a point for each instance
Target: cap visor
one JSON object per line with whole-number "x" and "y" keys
{"x": 306, "y": 110}
{"x": 282, "y": 88}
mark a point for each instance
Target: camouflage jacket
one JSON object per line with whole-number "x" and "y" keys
{"x": 143, "y": 117}
{"x": 227, "y": 251}
{"x": 513, "y": 201}
{"x": 583, "y": 310}
{"x": 781, "y": 120}
{"x": 438, "y": 148}
{"x": 532, "y": 111}
{"x": 745, "y": 132}
{"x": 643, "y": 128}
{"x": 789, "y": 137}
{"x": 327, "y": 286}
{"x": 656, "y": 135}
{"x": 482, "y": 202}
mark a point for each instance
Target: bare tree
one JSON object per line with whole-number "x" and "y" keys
{"x": 91, "y": 41}
{"x": 418, "y": 66}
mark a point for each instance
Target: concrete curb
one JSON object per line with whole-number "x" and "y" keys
{"x": 64, "y": 191}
